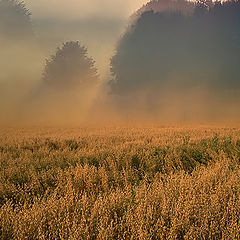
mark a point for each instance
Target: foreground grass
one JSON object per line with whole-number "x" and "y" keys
{"x": 120, "y": 183}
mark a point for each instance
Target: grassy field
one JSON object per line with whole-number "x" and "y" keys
{"x": 142, "y": 182}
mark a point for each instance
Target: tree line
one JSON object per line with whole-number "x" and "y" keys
{"x": 169, "y": 43}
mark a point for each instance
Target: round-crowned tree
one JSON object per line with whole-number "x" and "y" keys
{"x": 70, "y": 67}
{"x": 15, "y": 20}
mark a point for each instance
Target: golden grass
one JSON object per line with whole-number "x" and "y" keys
{"x": 146, "y": 182}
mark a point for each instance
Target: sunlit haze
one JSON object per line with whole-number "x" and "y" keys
{"x": 83, "y": 9}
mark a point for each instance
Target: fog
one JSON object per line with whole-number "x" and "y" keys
{"x": 83, "y": 9}
{"x": 31, "y": 33}
{"x": 174, "y": 66}
{"x": 97, "y": 24}
{"x": 164, "y": 62}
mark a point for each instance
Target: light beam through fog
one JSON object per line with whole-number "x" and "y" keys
{"x": 166, "y": 61}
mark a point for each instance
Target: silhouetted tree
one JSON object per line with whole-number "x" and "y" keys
{"x": 199, "y": 49}
{"x": 70, "y": 67}
{"x": 185, "y": 7}
{"x": 15, "y": 20}
{"x": 169, "y": 50}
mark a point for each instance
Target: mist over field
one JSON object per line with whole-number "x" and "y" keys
{"x": 91, "y": 62}
{"x": 119, "y": 119}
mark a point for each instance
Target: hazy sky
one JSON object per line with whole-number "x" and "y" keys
{"x": 97, "y": 24}
{"x": 79, "y": 9}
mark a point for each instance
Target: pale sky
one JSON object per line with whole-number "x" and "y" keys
{"x": 97, "y": 24}
{"x": 82, "y": 9}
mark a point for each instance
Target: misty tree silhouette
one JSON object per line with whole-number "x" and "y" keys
{"x": 169, "y": 63}
{"x": 169, "y": 47}
{"x": 15, "y": 20}
{"x": 185, "y": 7}
{"x": 70, "y": 67}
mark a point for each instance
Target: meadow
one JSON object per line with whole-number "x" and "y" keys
{"x": 120, "y": 182}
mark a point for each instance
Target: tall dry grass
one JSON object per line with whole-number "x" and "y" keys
{"x": 147, "y": 182}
